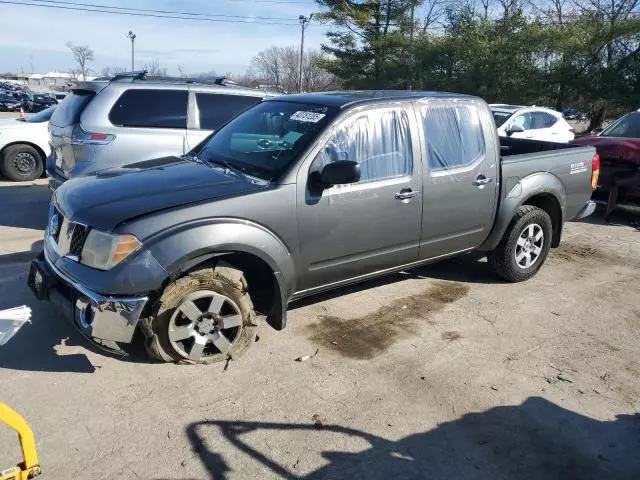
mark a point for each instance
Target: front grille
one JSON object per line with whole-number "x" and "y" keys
{"x": 78, "y": 238}
{"x": 68, "y": 236}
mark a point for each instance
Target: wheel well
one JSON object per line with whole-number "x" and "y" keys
{"x": 551, "y": 205}
{"x": 43, "y": 156}
{"x": 264, "y": 289}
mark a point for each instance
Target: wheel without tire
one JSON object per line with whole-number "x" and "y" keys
{"x": 203, "y": 317}
{"x": 21, "y": 163}
{"x": 524, "y": 246}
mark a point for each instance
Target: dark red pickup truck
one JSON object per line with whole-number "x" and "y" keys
{"x": 619, "y": 149}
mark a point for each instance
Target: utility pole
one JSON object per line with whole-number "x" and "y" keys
{"x": 132, "y": 36}
{"x": 304, "y": 23}
{"x": 411, "y": 49}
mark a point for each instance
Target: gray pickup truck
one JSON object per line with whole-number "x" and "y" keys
{"x": 298, "y": 195}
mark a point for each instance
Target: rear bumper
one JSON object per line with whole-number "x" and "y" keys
{"x": 106, "y": 321}
{"x": 55, "y": 179}
{"x": 587, "y": 210}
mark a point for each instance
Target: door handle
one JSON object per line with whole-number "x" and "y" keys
{"x": 482, "y": 180}
{"x": 406, "y": 194}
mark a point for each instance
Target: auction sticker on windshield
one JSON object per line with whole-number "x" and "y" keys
{"x": 311, "y": 117}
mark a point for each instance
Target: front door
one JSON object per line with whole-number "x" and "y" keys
{"x": 462, "y": 176}
{"x": 350, "y": 230}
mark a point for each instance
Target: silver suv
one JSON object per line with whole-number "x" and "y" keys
{"x": 129, "y": 118}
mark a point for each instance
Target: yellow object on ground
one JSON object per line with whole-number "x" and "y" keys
{"x": 29, "y": 467}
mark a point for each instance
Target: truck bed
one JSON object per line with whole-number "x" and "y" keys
{"x": 571, "y": 166}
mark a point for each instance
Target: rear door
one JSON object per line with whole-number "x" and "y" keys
{"x": 461, "y": 181}
{"x": 61, "y": 127}
{"x": 208, "y": 111}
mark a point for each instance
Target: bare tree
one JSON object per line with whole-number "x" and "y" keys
{"x": 180, "y": 71}
{"x": 434, "y": 10}
{"x": 278, "y": 68}
{"x": 154, "y": 70}
{"x": 82, "y": 54}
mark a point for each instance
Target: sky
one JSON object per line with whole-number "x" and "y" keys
{"x": 32, "y": 39}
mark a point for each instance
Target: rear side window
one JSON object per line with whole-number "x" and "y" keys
{"x": 70, "y": 109}
{"x": 453, "y": 135}
{"x": 542, "y": 120}
{"x": 216, "y": 110}
{"x": 150, "y": 109}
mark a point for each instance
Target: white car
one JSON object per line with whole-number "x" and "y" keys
{"x": 535, "y": 123}
{"x": 24, "y": 146}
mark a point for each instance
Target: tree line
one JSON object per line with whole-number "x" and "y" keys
{"x": 578, "y": 53}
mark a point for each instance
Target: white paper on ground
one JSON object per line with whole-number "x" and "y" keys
{"x": 11, "y": 321}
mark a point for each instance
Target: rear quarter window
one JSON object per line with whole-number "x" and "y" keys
{"x": 150, "y": 109}
{"x": 70, "y": 109}
{"x": 215, "y": 109}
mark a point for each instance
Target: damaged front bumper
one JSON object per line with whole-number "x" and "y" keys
{"x": 105, "y": 320}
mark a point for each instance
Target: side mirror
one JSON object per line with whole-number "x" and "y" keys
{"x": 515, "y": 129}
{"x": 340, "y": 173}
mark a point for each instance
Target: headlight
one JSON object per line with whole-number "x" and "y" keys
{"x": 105, "y": 250}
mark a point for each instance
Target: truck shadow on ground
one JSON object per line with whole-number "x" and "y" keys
{"x": 534, "y": 440}
{"x": 25, "y": 206}
{"x": 49, "y": 343}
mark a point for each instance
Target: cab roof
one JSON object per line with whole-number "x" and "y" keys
{"x": 355, "y": 97}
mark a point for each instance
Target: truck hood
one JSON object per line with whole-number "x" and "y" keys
{"x": 614, "y": 148}
{"x": 111, "y": 197}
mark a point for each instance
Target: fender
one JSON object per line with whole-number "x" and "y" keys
{"x": 517, "y": 193}
{"x": 185, "y": 246}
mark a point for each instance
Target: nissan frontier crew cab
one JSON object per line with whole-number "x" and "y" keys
{"x": 299, "y": 194}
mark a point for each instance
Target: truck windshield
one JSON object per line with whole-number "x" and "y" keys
{"x": 627, "y": 126}
{"x": 500, "y": 117}
{"x": 264, "y": 140}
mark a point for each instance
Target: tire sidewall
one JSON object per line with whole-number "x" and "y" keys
{"x": 539, "y": 217}
{"x": 8, "y": 169}
{"x": 174, "y": 295}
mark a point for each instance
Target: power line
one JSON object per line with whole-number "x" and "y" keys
{"x": 150, "y": 15}
{"x": 168, "y": 12}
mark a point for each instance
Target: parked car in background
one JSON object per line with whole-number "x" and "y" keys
{"x": 618, "y": 146}
{"x": 9, "y": 103}
{"x": 24, "y": 146}
{"x": 129, "y": 118}
{"x": 297, "y": 195}
{"x": 38, "y": 102}
{"x": 533, "y": 123}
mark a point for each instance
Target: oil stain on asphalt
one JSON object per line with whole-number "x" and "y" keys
{"x": 365, "y": 337}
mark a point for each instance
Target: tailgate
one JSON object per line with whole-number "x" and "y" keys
{"x": 61, "y": 128}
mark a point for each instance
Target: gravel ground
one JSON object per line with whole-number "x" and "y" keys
{"x": 442, "y": 372}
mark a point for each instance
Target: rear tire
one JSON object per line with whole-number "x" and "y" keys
{"x": 524, "y": 246}
{"x": 21, "y": 163}
{"x": 221, "y": 326}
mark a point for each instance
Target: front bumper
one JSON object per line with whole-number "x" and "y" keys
{"x": 106, "y": 321}
{"x": 587, "y": 210}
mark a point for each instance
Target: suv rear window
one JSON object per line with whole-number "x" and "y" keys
{"x": 150, "y": 109}
{"x": 216, "y": 110}
{"x": 70, "y": 109}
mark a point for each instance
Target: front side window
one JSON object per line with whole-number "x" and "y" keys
{"x": 266, "y": 139}
{"x": 215, "y": 110}
{"x": 542, "y": 120}
{"x": 378, "y": 140}
{"x": 150, "y": 109}
{"x": 453, "y": 135}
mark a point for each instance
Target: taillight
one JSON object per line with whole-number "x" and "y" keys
{"x": 595, "y": 171}
{"x": 81, "y": 137}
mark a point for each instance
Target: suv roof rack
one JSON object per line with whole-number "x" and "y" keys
{"x": 134, "y": 75}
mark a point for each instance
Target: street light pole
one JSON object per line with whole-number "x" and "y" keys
{"x": 132, "y": 36}
{"x": 304, "y": 23}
